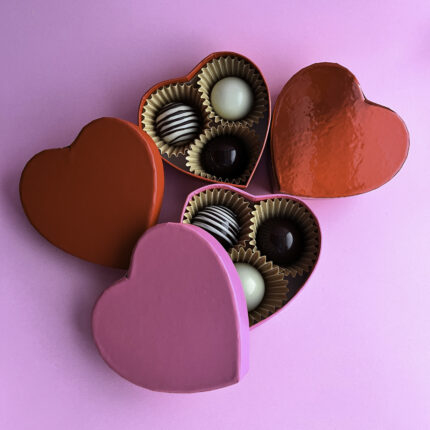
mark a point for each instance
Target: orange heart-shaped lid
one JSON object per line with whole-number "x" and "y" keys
{"x": 328, "y": 140}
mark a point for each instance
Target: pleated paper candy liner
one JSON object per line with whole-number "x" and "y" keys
{"x": 231, "y": 200}
{"x": 252, "y": 143}
{"x": 276, "y": 286}
{"x": 182, "y": 93}
{"x": 291, "y": 209}
{"x": 223, "y": 67}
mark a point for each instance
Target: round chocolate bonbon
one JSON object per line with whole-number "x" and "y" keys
{"x": 252, "y": 284}
{"x": 221, "y": 222}
{"x": 177, "y": 124}
{"x": 281, "y": 240}
{"x": 225, "y": 156}
{"x": 232, "y": 98}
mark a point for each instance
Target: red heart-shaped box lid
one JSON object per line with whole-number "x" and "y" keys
{"x": 328, "y": 140}
{"x": 96, "y": 197}
{"x": 178, "y": 322}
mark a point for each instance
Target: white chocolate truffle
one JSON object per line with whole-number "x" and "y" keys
{"x": 252, "y": 284}
{"x": 232, "y": 98}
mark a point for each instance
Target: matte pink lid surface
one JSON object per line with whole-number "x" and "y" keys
{"x": 178, "y": 322}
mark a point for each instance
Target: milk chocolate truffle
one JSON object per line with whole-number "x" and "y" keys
{"x": 221, "y": 222}
{"x": 281, "y": 240}
{"x": 177, "y": 124}
{"x": 252, "y": 283}
{"x": 232, "y": 98}
{"x": 225, "y": 156}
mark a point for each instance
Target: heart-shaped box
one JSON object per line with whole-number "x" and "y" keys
{"x": 282, "y": 282}
{"x": 194, "y": 89}
{"x": 178, "y": 321}
{"x": 328, "y": 140}
{"x": 96, "y": 197}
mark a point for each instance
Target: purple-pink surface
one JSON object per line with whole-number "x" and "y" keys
{"x": 351, "y": 351}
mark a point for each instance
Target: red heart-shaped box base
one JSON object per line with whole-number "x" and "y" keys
{"x": 261, "y": 128}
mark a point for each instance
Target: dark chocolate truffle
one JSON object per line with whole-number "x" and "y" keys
{"x": 281, "y": 240}
{"x": 177, "y": 124}
{"x": 225, "y": 156}
{"x": 221, "y": 222}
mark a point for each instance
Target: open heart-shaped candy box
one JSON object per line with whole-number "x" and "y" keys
{"x": 183, "y": 117}
{"x": 264, "y": 224}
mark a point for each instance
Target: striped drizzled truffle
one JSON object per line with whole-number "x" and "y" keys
{"x": 221, "y": 222}
{"x": 177, "y": 124}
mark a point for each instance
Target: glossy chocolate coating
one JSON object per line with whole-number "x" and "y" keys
{"x": 225, "y": 157}
{"x": 281, "y": 240}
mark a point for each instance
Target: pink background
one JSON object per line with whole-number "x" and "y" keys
{"x": 352, "y": 351}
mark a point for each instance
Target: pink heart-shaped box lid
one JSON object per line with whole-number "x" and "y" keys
{"x": 178, "y": 321}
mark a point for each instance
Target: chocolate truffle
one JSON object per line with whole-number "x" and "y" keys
{"x": 177, "y": 124}
{"x": 232, "y": 98}
{"x": 225, "y": 156}
{"x": 252, "y": 284}
{"x": 221, "y": 222}
{"x": 281, "y": 240}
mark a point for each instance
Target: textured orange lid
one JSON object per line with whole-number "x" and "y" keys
{"x": 328, "y": 140}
